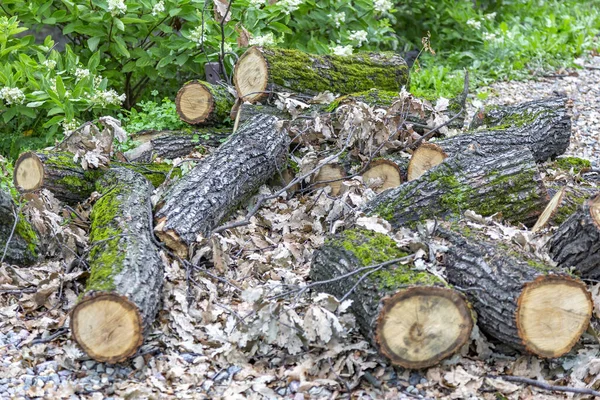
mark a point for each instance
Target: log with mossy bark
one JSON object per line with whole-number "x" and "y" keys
{"x": 520, "y": 301}
{"x": 410, "y": 316}
{"x": 564, "y": 202}
{"x": 68, "y": 181}
{"x": 123, "y": 291}
{"x": 547, "y": 134}
{"x": 173, "y": 144}
{"x": 214, "y": 188}
{"x": 200, "y": 102}
{"x": 261, "y": 70}
{"x": 576, "y": 243}
{"x": 19, "y": 241}
{"x": 507, "y": 183}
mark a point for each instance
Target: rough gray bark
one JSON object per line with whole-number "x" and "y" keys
{"x": 543, "y": 125}
{"x": 507, "y": 183}
{"x": 23, "y": 247}
{"x": 124, "y": 259}
{"x": 344, "y": 253}
{"x": 173, "y": 144}
{"x": 576, "y": 243}
{"x": 494, "y": 276}
{"x": 207, "y": 194}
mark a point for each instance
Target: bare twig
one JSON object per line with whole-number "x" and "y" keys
{"x": 12, "y": 232}
{"x": 58, "y": 333}
{"x": 544, "y": 385}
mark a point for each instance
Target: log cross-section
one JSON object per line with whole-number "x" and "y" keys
{"x": 126, "y": 271}
{"x": 200, "y": 102}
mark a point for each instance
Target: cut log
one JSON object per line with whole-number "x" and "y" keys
{"x": 200, "y": 102}
{"x": 507, "y": 183}
{"x": 67, "y": 180}
{"x": 261, "y": 70}
{"x": 565, "y": 201}
{"x": 331, "y": 175}
{"x": 519, "y": 301}
{"x": 126, "y": 272}
{"x": 576, "y": 243}
{"x": 213, "y": 189}
{"x": 23, "y": 247}
{"x": 407, "y": 314}
{"x": 174, "y": 144}
{"x": 382, "y": 174}
{"x": 547, "y": 134}
{"x": 425, "y": 157}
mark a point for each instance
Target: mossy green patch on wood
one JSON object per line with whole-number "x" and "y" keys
{"x": 26, "y": 231}
{"x": 575, "y": 163}
{"x": 513, "y": 120}
{"x": 372, "y": 97}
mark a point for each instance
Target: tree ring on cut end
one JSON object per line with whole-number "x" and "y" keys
{"x": 552, "y": 314}
{"x": 29, "y": 172}
{"x": 107, "y": 326}
{"x": 194, "y": 102}
{"x": 384, "y": 170}
{"x": 420, "y": 326}
{"x": 425, "y": 157}
{"x": 251, "y": 76}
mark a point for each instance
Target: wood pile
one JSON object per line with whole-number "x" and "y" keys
{"x": 414, "y": 318}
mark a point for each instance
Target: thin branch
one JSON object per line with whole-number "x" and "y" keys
{"x": 12, "y": 232}
{"x": 58, "y": 333}
{"x": 544, "y": 385}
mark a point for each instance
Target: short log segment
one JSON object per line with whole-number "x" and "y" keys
{"x": 382, "y": 174}
{"x": 519, "y": 301}
{"x": 199, "y": 102}
{"x": 23, "y": 247}
{"x": 67, "y": 180}
{"x": 126, "y": 272}
{"x": 213, "y": 189}
{"x": 507, "y": 183}
{"x": 564, "y": 203}
{"x": 410, "y": 316}
{"x": 576, "y": 243}
{"x": 174, "y": 144}
{"x": 260, "y": 70}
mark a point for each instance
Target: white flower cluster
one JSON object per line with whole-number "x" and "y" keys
{"x": 69, "y": 126}
{"x": 158, "y": 8}
{"x": 107, "y": 98}
{"x": 12, "y": 95}
{"x": 382, "y": 6}
{"x": 265, "y": 40}
{"x": 289, "y": 6}
{"x": 359, "y": 36}
{"x": 116, "y": 7}
{"x": 197, "y": 36}
{"x": 475, "y": 24}
{"x": 338, "y": 18}
{"x": 256, "y": 3}
{"x": 490, "y": 16}
{"x": 81, "y": 73}
{"x": 489, "y": 36}
{"x": 342, "y": 50}
{"x": 50, "y": 64}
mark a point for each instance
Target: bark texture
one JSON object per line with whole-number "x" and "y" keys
{"x": 507, "y": 183}
{"x": 125, "y": 265}
{"x": 23, "y": 247}
{"x": 499, "y": 280}
{"x": 265, "y": 69}
{"x": 576, "y": 243}
{"x": 174, "y": 144}
{"x": 211, "y": 191}
{"x": 370, "y": 292}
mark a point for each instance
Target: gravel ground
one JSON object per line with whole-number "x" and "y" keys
{"x": 22, "y": 375}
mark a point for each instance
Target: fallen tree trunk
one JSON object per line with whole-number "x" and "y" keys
{"x": 576, "y": 243}
{"x": 19, "y": 243}
{"x": 519, "y": 301}
{"x": 408, "y": 315}
{"x": 218, "y": 184}
{"x": 564, "y": 202}
{"x": 68, "y": 181}
{"x": 507, "y": 183}
{"x": 260, "y": 70}
{"x": 126, "y": 272}
{"x": 199, "y": 102}
{"x": 546, "y": 132}
{"x": 174, "y": 144}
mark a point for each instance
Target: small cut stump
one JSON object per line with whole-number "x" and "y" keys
{"x": 126, "y": 271}
{"x": 565, "y": 201}
{"x": 199, "y": 102}
{"x": 519, "y": 301}
{"x": 410, "y": 316}
{"x": 576, "y": 243}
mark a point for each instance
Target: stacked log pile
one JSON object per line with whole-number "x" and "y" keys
{"x": 414, "y": 318}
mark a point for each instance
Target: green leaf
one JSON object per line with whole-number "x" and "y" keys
{"x": 34, "y": 104}
{"x": 9, "y": 114}
{"x": 60, "y": 87}
{"x": 121, "y": 47}
{"x": 119, "y": 24}
{"x": 54, "y": 120}
{"x": 165, "y": 61}
{"x": 281, "y": 27}
{"x": 54, "y": 111}
{"x": 94, "y": 61}
{"x": 93, "y": 43}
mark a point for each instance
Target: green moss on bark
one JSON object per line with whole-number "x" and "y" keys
{"x": 26, "y": 231}
{"x": 575, "y": 163}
